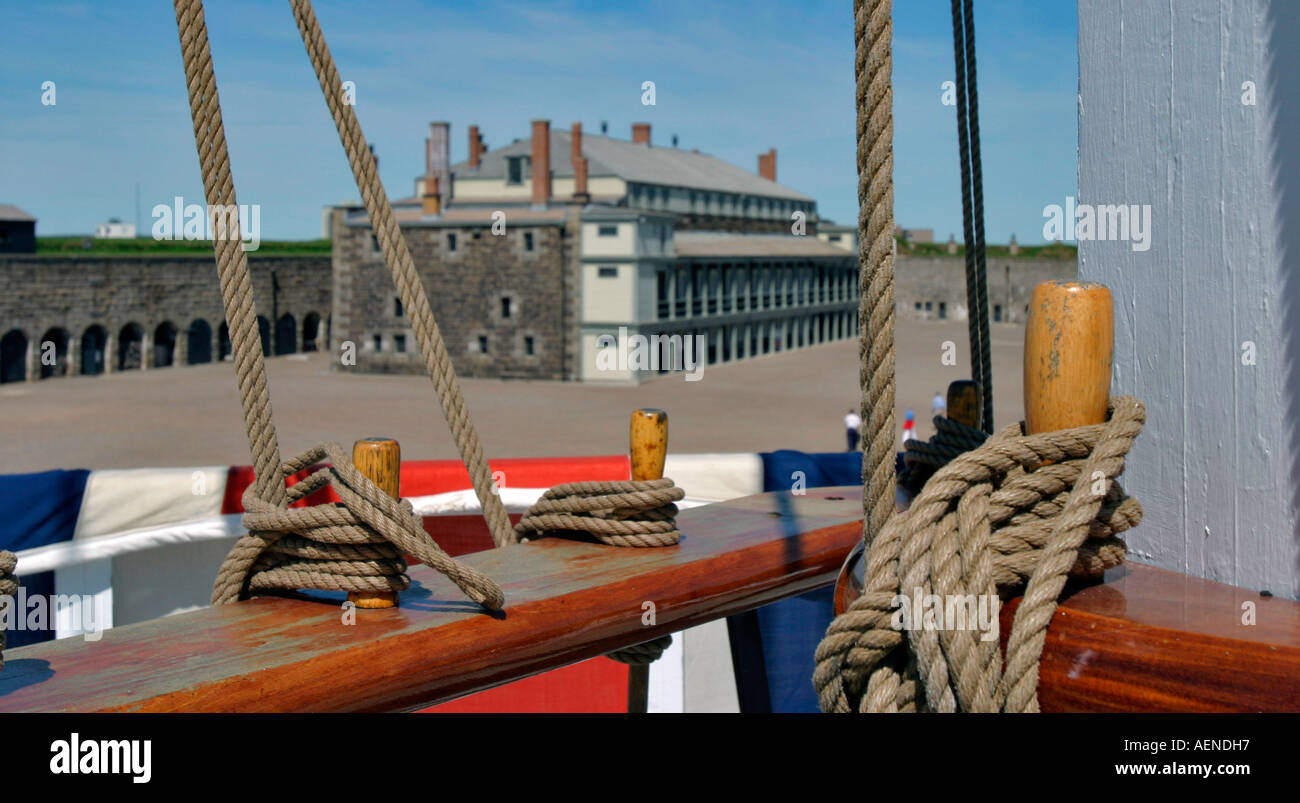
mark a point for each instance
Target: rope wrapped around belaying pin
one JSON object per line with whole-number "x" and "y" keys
{"x": 8, "y": 588}
{"x": 632, "y": 513}
{"x": 1020, "y": 507}
{"x": 357, "y": 545}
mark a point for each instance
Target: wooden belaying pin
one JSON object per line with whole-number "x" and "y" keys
{"x": 1069, "y": 341}
{"x": 964, "y": 402}
{"x": 380, "y": 459}
{"x": 647, "y": 450}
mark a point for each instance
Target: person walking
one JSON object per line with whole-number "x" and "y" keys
{"x": 909, "y": 426}
{"x": 852, "y": 425}
{"x": 939, "y": 405}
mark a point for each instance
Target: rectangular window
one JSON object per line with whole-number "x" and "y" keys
{"x": 515, "y": 170}
{"x": 505, "y": 307}
{"x": 835, "y": 238}
{"x": 928, "y": 306}
{"x": 451, "y": 241}
{"x": 397, "y": 307}
{"x": 374, "y": 244}
{"x": 528, "y": 241}
{"x": 528, "y": 346}
{"x": 399, "y": 344}
{"x": 997, "y": 312}
{"x": 482, "y": 344}
{"x": 661, "y": 293}
{"x": 943, "y": 309}
{"x": 607, "y": 272}
{"x": 379, "y": 343}
{"x": 607, "y": 231}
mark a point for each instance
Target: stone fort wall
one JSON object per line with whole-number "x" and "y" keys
{"x": 79, "y": 301}
{"x": 933, "y": 288}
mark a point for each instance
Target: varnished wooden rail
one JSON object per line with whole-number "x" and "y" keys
{"x": 565, "y": 601}
{"x": 1144, "y": 640}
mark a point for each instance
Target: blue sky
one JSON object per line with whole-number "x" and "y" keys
{"x": 732, "y": 78}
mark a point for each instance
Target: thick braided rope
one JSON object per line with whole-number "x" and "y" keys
{"x": 8, "y": 588}
{"x": 414, "y": 298}
{"x": 232, "y": 262}
{"x": 357, "y": 545}
{"x": 873, "y": 32}
{"x": 922, "y": 458}
{"x": 631, "y": 513}
{"x": 990, "y": 520}
{"x": 635, "y": 513}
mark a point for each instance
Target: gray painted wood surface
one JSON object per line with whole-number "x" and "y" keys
{"x": 1162, "y": 122}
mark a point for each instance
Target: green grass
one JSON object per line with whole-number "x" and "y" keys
{"x": 146, "y": 246}
{"x": 1048, "y": 251}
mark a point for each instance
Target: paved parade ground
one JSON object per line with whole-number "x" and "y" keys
{"x": 190, "y": 416}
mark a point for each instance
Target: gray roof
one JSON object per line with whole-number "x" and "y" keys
{"x": 11, "y": 212}
{"x": 635, "y": 161}
{"x": 728, "y": 244}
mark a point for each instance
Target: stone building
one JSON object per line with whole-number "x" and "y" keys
{"x": 567, "y": 256}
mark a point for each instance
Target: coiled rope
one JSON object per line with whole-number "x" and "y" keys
{"x": 320, "y": 564}
{"x": 922, "y": 458}
{"x": 355, "y": 546}
{"x": 635, "y": 513}
{"x": 8, "y": 587}
{"x": 632, "y": 513}
{"x": 1020, "y": 507}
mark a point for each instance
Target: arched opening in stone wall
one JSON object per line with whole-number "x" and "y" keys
{"x": 223, "y": 341}
{"x": 53, "y": 357}
{"x": 93, "y": 342}
{"x": 130, "y": 347}
{"x": 264, "y": 332}
{"x": 311, "y": 332}
{"x": 198, "y": 348}
{"x": 164, "y": 345}
{"x": 13, "y": 357}
{"x": 286, "y": 335}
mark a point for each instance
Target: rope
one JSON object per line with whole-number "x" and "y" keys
{"x": 8, "y": 587}
{"x": 633, "y": 513}
{"x": 1018, "y": 508}
{"x": 354, "y": 546}
{"x": 373, "y": 526}
{"x": 414, "y": 298}
{"x": 972, "y": 195}
{"x": 873, "y": 31}
{"x": 636, "y": 513}
{"x": 922, "y": 458}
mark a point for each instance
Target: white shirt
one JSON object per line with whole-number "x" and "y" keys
{"x": 851, "y": 421}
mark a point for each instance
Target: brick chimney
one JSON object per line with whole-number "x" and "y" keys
{"x": 541, "y": 162}
{"x": 431, "y": 201}
{"x": 579, "y": 164}
{"x": 767, "y": 164}
{"x": 475, "y": 147}
{"x": 641, "y": 132}
{"x": 437, "y": 161}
